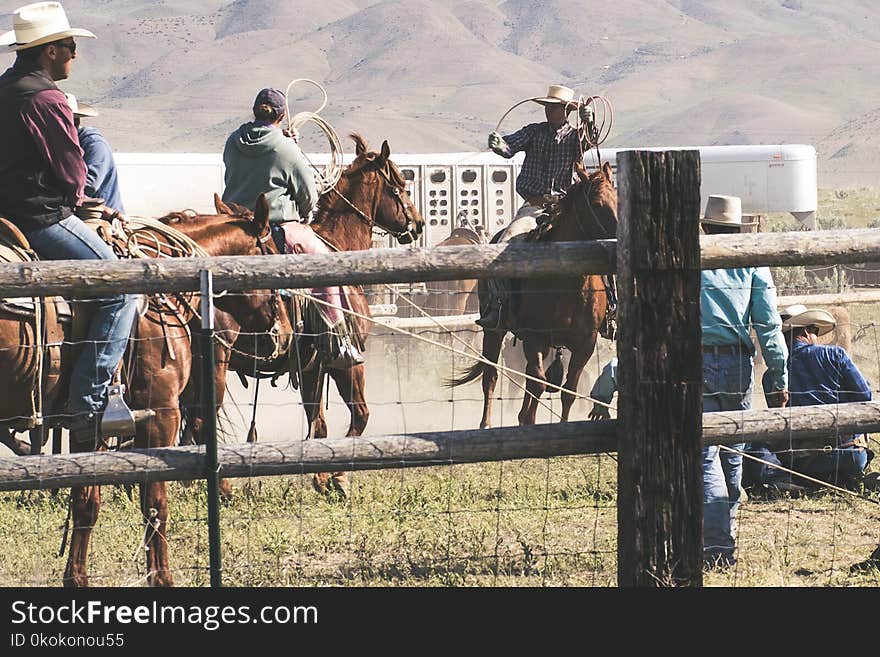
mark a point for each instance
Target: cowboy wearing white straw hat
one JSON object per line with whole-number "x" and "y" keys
{"x": 42, "y": 181}
{"x": 40, "y": 23}
{"x": 551, "y": 148}
{"x": 724, "y": 210}
{"x": 818, "y": 321}
{"x": 817, "y": 374}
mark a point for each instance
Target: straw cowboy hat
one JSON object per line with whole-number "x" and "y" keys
{"x": 557, "y": 95}
{"x": 80, "y": 108}
{"x": 799, "y": 316}
{"x": 39, "y": 23}
{"x": 724, "y": 211}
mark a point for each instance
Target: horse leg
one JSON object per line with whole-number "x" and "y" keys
{"x": 18, "y": 447}
{"x": 576, "y": 366}
{"x": 312, "y": 394}
{"x": 192, "y": 408}
{"x": 492, "y": 341}
{"x": 154, "y": 499}
{"x": 350, "y": 383}
{"x": 535, "y": 356}
{"x": 85, "y": 504}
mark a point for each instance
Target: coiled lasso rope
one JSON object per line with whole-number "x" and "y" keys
{"x": 592, "y": 134}
{"x": 329, "y": 176}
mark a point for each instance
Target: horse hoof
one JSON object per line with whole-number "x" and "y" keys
{"x": 225, "y": 490}
{"x": 78, "y": 581}
{"x": 161, "y": 580}
{"x": 321, "y": 482}
{"x": 340, "y": 484}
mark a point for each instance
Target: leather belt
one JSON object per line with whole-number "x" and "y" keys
{"x": 725, "y": 349}
{"x": 543, "y": 199}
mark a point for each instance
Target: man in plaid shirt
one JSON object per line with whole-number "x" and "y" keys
{"x": 552, "y": 148}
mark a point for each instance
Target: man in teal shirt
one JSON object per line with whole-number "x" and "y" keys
{"x": 732, "y": 301}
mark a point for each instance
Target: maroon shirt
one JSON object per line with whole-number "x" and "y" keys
{"x": 49, "y": 120}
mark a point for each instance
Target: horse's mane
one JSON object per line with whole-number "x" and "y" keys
{"x": 362, "y": 161}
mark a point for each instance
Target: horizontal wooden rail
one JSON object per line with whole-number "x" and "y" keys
{"x": 415, "y": 450}
{"x": 79, "y": 279}
{"x": 817, "y": 247}
{"x": 831, "y": 298}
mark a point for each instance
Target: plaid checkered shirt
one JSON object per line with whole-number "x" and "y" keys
{"x": 549, "y": 161}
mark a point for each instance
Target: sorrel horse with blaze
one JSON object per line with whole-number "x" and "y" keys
{"x": 160, "y": 368}
{"x": 557, "y": 311}
{"x": 371, "y": 194}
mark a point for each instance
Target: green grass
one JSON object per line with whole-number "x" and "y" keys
{"x": 520, "y": 523}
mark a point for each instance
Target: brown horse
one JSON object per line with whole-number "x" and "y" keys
{"x": 456, "y": 297}
{"x": 371, "y": 194}
{"x": 160, "y": 367}
{"x": 558, "y": 311}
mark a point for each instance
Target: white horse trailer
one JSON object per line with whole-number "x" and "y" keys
{"x": 479, "y": 189}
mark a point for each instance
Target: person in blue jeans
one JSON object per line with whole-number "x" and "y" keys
{"x": 42, "y": 181}
{"x": 818, "y": 374}
{"x": 102, "y": 180}
{"x": 731, "y": 302}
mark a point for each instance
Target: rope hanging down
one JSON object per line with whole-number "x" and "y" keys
{"x": 333, "y": 171}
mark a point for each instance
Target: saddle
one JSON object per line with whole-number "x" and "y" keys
{"x": 55, "y": 321}
{"x": 50, "y": 317}
{"x": 470, "y": 235}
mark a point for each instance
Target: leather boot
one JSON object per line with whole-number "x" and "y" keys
{"x": 491, "y": 320}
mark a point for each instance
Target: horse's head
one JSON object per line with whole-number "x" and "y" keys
{"x": 235, "y": 230}
{"x": 392, "y": 209}
{"x": 592, "y": 202}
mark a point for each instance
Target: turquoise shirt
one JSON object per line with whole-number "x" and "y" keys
{"x": 731, "y": 300}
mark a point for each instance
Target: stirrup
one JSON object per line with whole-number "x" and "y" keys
{"x": 118, "y": 419}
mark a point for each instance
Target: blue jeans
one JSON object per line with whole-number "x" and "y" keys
{"x": 727, "y": 386}
{"x": 836, "y": 466}
{"x": 111, "y": 318}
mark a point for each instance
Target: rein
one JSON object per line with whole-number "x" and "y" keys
{"x": 409, "y": 229}
{"x": 277, "y": 350}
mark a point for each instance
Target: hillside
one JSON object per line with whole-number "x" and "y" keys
{"x": 437, "y": 75}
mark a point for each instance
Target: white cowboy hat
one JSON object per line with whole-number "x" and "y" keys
{"x": 80, "y": 109}
{"x": 724, "y": 211}
{"x": 39, "y": 23}
{"x": 799, "y": 316}
{"x": 557, "y": 95}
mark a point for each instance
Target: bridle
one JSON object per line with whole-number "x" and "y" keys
{"x": 409, "y": 233}
{"x": 587, "y": 193}
{"x": 275, "y": 307}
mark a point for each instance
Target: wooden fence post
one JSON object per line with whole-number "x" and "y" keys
{"x": 659, "y": 511}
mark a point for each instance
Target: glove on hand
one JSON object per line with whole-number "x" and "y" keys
{"x": 600, "y": 413}
{"x": 496, "y": 143}
{"x": 585, "y": 113}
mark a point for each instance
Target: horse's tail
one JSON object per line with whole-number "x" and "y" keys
{"x": 472, "y": 373}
